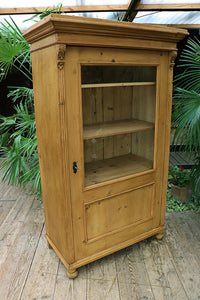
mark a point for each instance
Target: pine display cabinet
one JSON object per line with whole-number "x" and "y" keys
{"x": 102, "y": 92}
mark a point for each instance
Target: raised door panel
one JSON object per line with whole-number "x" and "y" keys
{"x": 116, "y": 190}
{"x": 111, "y": 215}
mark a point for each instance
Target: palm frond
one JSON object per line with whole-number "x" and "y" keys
{"x": 7, "y": 124}
{"x": 18, "y": 133}
{"x": 186, "y": 108}
{"x": 14, "y": 164}
{"x": 14, "y": 49}
{"x": 32, "y": 175}
{"x": 21, "y": 94}
{"x": 186, "y": 119}
{"x": 25, "y": 122}
{"x": 190, "y": 61}
{"x": 39, "y": 16}
{"x": 29, "y": 148}
{"x": 4, "y": 141}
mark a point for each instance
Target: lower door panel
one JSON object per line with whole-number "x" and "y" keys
{"x": 114, "y": 214}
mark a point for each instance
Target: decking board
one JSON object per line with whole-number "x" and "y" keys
{"x": 181, "y": 159}
{"x": 5, "y": 207}
{"x": 151, "y": 269}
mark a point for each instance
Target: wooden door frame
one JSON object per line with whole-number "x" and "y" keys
{"x": 74, "y": 111}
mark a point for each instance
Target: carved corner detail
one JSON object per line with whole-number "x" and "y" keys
{"x": 172, "y": 58}
{"x": 60, "y": 65}
{"x": 61, "y": 56}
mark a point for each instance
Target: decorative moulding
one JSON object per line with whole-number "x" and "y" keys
{"x": 81, "y": 26}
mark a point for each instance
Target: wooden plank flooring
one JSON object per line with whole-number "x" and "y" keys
{"x": 180, "y": 159}
{"x": 151, "y": 269}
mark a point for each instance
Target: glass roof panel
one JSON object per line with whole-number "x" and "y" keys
{"x": 100, "y": 15}
{"x": 155, "y": 17}
{"x": 19, "y": 19}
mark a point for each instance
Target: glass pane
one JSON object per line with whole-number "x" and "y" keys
{"x": 168, "y": 17}
{"x": 118, "y": 104}
{"x": 109, "y": 15}
{"x": 112, "y": 157}
{"x": 111, "y": 74}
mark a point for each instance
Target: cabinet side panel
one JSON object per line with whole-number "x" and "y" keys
{"x": 51, "y": 136}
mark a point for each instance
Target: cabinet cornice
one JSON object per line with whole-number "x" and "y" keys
{"x": 80, "y": 27}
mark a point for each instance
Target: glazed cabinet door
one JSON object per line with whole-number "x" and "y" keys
{"x": 116, "y": 120}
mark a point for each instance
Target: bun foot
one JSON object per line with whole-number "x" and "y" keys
{"x": 159, "y": 235}
{"x": 72, "y": 273}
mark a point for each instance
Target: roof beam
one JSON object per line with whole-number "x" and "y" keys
{"x": 132, "y": 10}
{"x": 67, "y": 9}
{"x": 169, "y": 7}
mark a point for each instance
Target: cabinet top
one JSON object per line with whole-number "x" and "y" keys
{"x": 97, "y": 32}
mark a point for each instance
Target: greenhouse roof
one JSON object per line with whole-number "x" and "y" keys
{"x": 172, "y": 12}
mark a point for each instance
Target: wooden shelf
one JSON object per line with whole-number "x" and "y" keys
{"x": 96, "y": 85}
{"x": 115, "y": 128}
{"x": 116, "y": 167}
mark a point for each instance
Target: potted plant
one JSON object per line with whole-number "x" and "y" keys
{"x": 180, "y": 180}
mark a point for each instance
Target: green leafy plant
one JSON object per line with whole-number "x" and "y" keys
{"x": 39, "y": 16}
{"x": 14, "y": 50}
{"x": 19, "y": 149}
{"x": 17, "y": 132}
{"x": 179, "y": 176}
{"x": 18, "y": 142}
{"x": 186, "y": 107}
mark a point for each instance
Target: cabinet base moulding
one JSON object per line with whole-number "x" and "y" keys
{"x": 72, "y": 268}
